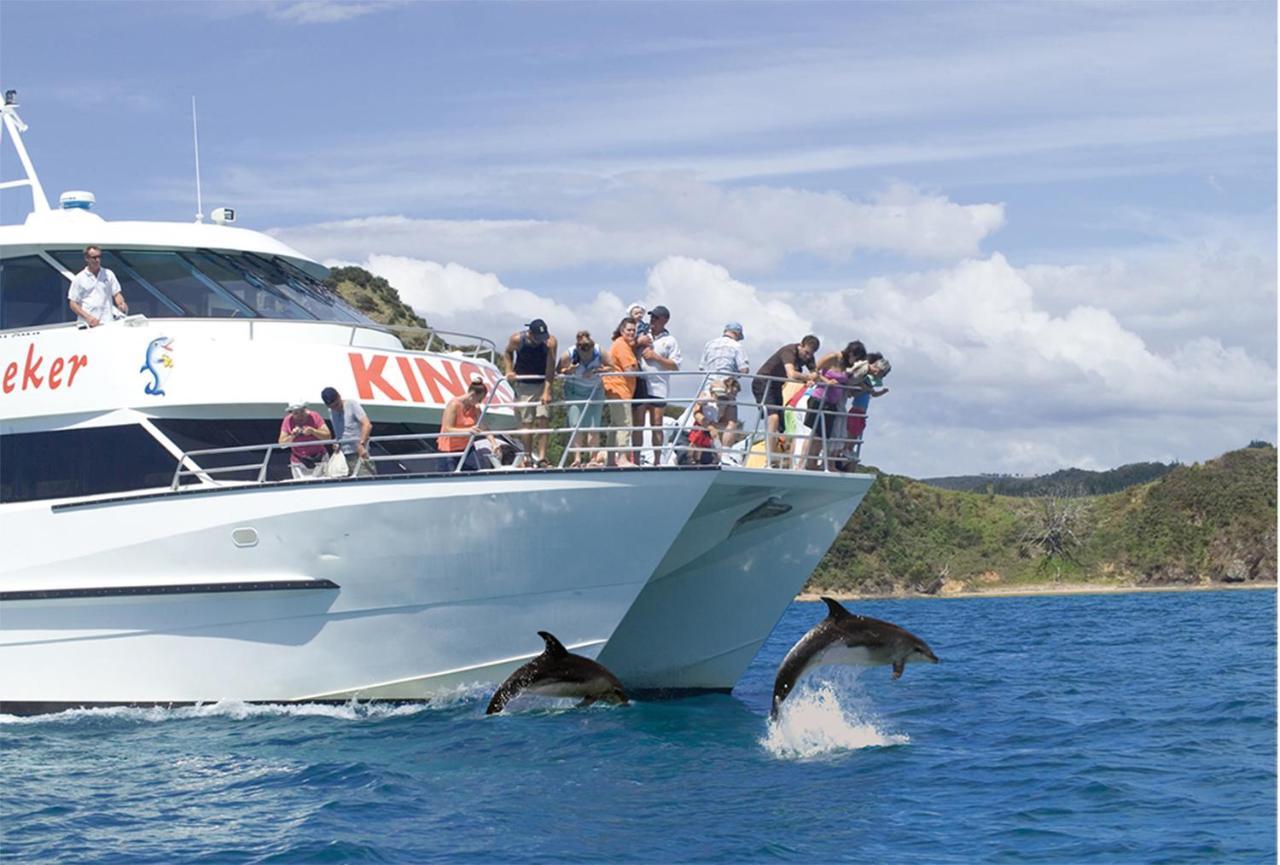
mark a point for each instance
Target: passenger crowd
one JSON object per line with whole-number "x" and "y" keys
{"x": 617, "y": 395}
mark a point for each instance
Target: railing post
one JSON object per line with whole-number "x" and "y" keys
{"x": 266, "y": 459}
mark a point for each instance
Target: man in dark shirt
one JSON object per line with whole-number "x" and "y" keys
{"x": 530, "y": 361}
{"x": 790, "y": 363}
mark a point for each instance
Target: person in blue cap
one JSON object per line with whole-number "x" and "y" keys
{"x": 724, "y": 357}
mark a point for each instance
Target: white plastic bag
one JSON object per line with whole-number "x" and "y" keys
{"x": 338, "y": 467}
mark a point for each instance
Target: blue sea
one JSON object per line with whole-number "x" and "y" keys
{"x": 1074, "y": 729}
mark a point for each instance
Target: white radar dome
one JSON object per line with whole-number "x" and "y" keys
{"x": 76, "y": 199}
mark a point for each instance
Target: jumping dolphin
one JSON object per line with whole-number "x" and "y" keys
{"x": 558, "y": 673}
{"x": 843, "y": 638}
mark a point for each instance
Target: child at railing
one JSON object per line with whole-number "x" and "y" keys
{"x": 697, "y": 443}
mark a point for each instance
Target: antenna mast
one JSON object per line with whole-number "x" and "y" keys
{"x": 13, "y": 124}
{"x": 195, "y": 138}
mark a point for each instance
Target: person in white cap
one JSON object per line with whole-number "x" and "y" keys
{"x": 301, "y": 424}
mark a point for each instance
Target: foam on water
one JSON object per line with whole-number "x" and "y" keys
{"x": 240, "y": 711}
{"x": 813, "y": 722}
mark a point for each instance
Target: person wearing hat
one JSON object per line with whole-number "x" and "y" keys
{"x": 352, "y": 428}
{"x": 301, "y": 424}
{"x": 724, "y": 357}
{"x": 870, "y": 383}
{"x": 657, "y": 359}
{"x": 530, "y": 361}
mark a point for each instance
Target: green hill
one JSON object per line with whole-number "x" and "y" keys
{"x": 376, "y": 298}
{"x": 1066, "y": 482}
{"x": 1213, "y": 522}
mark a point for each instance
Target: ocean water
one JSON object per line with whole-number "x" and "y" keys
{"x": 1119, "y": 728}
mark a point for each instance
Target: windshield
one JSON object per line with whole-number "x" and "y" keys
{"x": 206, "y": 283}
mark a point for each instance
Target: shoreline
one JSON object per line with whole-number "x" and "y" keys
{"x": 1039, "y": 590}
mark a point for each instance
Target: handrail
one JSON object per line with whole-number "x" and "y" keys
{"x": 821, "y": 449}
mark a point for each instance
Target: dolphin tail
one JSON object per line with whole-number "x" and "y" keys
{"x": 835, "y": 610}
{"x": 555, "y": 648}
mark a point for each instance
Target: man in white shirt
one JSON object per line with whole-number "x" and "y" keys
{"x": 725, "y": 357}
{"x": 657, "y": 360}
{"x": 94, "y": 290}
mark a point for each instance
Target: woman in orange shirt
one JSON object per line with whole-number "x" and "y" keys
{"x": 462, "y": 415}
{"x": 619, "y": 390}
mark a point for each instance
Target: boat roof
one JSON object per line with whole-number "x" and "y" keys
{"x": 75, "y": 228}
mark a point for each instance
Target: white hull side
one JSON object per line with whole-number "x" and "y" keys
{"x": 722, "y": 587}
{"x": 441, "y": 581}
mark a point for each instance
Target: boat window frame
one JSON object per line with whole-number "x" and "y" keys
{"x": 245, "y": 311}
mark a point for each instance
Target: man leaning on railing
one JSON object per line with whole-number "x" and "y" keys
{"x": 530, "y": 364}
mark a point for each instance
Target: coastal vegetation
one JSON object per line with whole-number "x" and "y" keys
{"x": 1213, "y": 522}
{"x": 1068, "y": 483}
{"x": 376, "y": 298}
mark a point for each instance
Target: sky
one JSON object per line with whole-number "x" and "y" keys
{"x": 1057, "y": 220}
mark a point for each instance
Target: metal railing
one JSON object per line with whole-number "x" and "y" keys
{"x": 707, "y": 423}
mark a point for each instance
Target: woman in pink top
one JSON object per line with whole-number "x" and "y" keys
{"x": 303, "y": 425}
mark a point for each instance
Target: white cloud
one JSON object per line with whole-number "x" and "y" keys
{"x": 327, "y": 11}
{"x": 645, "y": 218}
{"x": 985, "y": 377}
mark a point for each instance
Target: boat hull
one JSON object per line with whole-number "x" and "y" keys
{"x": 748, "y": 549}
{"x": 378, "y": 589}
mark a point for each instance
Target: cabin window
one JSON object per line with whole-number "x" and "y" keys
{"x": 32, "y": 293}
{"x": 142, "y": 299}
{"x": 298, "y": 285}
{"x": 81, "y": 462}
{"x": 173, "y": 277}
{"x": 258, "y": 294}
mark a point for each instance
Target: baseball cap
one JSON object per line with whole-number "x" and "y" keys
{"x": 328, "y": 395}
{"x": 660, "y": 311}
{"x": 297, "y": 404}
{"x": 538, "y": 327}
{"x": 735, "y": 327}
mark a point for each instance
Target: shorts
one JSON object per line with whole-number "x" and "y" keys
{"x": 642, "y": 389}
{"x": 301, "y": 471}
{"x": 821, "y": 419}
{"x": 590, "y": 407}
{"x": 769, "y": 395}
{"x": 530, "y": 391}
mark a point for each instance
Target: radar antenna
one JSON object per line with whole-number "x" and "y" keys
{"x": 13, "y": 123}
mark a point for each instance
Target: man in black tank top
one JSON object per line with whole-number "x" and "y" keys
{"x": 530, "y": 361}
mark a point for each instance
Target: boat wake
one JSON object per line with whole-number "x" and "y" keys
{"x": 813, "y": 722}
{"x": 236, "y": 710}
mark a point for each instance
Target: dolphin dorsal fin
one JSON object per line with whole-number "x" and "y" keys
{"x": 835, "y": 610}
{"x": 555, "y": 648}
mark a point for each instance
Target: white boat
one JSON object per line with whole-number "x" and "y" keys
{"x": 157, "y": 553}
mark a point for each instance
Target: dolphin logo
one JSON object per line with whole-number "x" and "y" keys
{"x": 843, "y": 638}
{"x": 559, "y": 673}
{"x": 158, "y": 358}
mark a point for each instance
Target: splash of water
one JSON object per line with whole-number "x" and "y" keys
{"x": 240, "y": 711}
{"x": 813, "y": 722}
